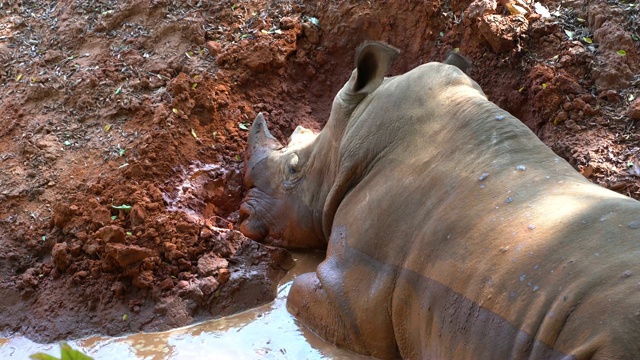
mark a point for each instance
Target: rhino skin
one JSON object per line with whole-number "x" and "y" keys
{"x": 452, "y": 232}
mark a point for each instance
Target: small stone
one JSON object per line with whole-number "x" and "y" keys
{"x": 166, "y": 284}
{"x": 214, "y": 48}
{"x": 626, "y": 274}
{"x": 287, "y": 23}
{"x": 561, "y": 117}
{"x": 208, "y": 285}
{"x": 60, "y": 256}
{"x": 223, "y": 276}
{"x": 634, "y": 110}
{"x": 567, "y": 106}
{"x": 126, "y": 255}
{"x": 209, "y": 265}
{"x": 111, "y": 234}
{"x": 578, "y": 103}
{"x": 138, "y": 215}
{"x": 610, "y": 95}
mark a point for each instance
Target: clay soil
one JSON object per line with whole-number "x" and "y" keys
{"x": 123, "y": 126}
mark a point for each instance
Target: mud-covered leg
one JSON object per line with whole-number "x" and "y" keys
{"x": 308, "y": 301}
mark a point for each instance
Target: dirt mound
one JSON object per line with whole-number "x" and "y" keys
{"x": 123, "y": 127}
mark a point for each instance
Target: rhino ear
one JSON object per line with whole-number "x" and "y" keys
{"x": 458, "y": 61}
{"x": 372, "y": 62}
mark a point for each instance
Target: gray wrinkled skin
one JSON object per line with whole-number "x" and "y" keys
{"x": 451, "y": 231}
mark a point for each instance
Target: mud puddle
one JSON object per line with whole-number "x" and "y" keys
{"x": 266, "y": 332}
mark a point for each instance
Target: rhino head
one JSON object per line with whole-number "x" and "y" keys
{"x": 294, "y": 190}
{"x": 279, "y": 206}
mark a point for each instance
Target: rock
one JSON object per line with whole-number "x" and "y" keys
{"x": 634, "y": 110}
{"x": 561, "y": 117}
{"x": 118, "y": 288}
{"x": 214, "y": 48}
{"x": 126, "y": 255}
{"x": 138, "y": 214}
{"x": 502, "y": 32}
{"x": 101, "y": 216}
{"x": 166, "y": 284}
{"x": 312, "y": 33}
{"x": 209, "y": 265}
{"x": 144, "y": 280}
{"x": 223, "y": 276}
{"x": 480, "y": 8}
{"x": 579, "y": 103}
{"x": 61, "y": 257}
{"x": 171, "y": 252}
{"x": 610, "y": 95}
{"x": 111, "y": 234}
{"x": 208, "y": 285}
{"x": 91, "y": 246}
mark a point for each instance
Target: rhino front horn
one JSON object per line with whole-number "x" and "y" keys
{"x": 261, "y": 142}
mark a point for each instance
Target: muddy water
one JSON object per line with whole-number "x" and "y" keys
{"x": 266, "y": 332}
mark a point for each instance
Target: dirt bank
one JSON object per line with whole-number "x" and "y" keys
{"x": 123, "y": 125}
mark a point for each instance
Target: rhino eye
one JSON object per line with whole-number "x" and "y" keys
{"x": 293, "y": 164}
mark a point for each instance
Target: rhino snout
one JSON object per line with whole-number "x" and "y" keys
{"x": 250, "y": 226}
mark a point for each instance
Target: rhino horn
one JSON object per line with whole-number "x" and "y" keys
{"x": 261, "y": 143}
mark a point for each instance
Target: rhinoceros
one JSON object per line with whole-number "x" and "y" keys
{"x": 452, "y": 232}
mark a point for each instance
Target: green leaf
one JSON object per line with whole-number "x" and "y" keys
{"x": 635, "y": 37}
{"x": 175, "y": 111}
{"x": 621, "y": 52}
{"x": 107, "y": 128}
{"x": 67, "y": 143}
{"x": 69, "y": 354}
{"x": 42, "y": 356}
{"x": 125, "y": 317}
{"x": 44, "y": 238}
{"x": 587, "y": 40}
{"x": 238, "y": 158}
{"x": 581, "y": 20}
{"x": 244, "y": 36}
{"x": 121, "y": 151}
{"x": 314, "y": 21}
{"x": 122, "y": 207}
{"x": 113, "y": 217}
{"x": 243, "y": 126}
{"x": 193, "y": 132}
{"x": 129, "y": 233}
{"x": 119, "y": 90}
{"x": 569, "y": 34}
{"x": 195, "y": 85}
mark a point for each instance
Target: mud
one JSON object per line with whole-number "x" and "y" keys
{"x": 265, "y": 332}
{"x": 123, "y": 125}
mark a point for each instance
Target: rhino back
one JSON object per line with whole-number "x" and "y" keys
{"x": 457, "y": 198}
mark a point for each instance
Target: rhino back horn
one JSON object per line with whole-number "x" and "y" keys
{"x": 260, "y": 142}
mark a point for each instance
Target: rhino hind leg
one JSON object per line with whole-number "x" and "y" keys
{"x": 309, "y": 302}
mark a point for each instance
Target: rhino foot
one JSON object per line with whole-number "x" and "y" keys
{"x": 309, "y": 303}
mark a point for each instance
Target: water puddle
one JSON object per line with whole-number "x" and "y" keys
{"x": 266, "y": 332}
